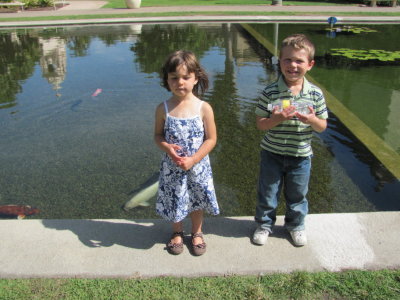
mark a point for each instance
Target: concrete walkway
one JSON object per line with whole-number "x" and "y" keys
{"x": 129, "y": 249}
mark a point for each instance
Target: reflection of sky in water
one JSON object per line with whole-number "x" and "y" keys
{"x": 82, "y": 156}
{"x": 110, "y": 68}
{"x": 250, "y": 73}
{"x": 214, "y": 59}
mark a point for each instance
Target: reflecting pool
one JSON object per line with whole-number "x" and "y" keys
{"x": 77, "y": 112}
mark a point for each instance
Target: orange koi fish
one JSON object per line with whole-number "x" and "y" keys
{"x": 19, "y": 211}
{"x": 96, "y": 92}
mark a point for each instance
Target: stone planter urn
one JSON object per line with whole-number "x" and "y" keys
{"x": 277, "y": 2}
{"x": 133, "y": 3}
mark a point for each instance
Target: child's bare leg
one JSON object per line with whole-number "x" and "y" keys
{"x": 197, "y": 223}
{"x": 177, "y": 227}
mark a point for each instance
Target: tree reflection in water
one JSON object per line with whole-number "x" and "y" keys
{"x": 77, "y": 156}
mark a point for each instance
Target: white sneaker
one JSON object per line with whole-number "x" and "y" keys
{"x": 260, "y": 236}
{"x": 299, "y": 237}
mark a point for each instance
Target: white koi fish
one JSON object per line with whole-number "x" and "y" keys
{"x": 142, "y": 198}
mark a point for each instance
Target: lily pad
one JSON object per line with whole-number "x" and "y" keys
{"x": 350, "y": 29}
{"x": 373, "y": 54}
{"x": 336, "y": 57}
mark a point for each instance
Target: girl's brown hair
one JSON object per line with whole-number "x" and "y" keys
{"x": 188, "y": 59}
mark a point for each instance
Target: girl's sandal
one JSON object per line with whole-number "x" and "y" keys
{"x": 175, "y": 248}
{"x": 198, "y": 249}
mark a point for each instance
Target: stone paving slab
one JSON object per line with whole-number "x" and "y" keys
{"x": 83, "y": 5}
{"x": 136, "y": 248}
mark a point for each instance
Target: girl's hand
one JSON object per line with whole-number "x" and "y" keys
{"x": 186, "y": 163}
{"x": 173, "y": 154}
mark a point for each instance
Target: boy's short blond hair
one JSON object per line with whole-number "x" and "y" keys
{"x": 300, "y": 41}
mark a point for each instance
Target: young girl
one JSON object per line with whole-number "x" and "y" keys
{"x": 185, "y": 130}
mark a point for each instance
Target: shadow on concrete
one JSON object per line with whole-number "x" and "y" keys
{"x": 103, "y": 233}
{"x": 239, "y": 227}
{"x": 144, "y": 234}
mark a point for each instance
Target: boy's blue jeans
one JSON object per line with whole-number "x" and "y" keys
{"x": 291, "y": 173}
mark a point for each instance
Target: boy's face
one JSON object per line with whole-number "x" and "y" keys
{"x": 294, "y": 64}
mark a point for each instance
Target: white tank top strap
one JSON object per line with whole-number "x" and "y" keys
{"x": 199, "y": 108}
{"x": 166, "y": 107}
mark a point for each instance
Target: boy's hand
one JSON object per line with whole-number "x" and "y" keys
{"x": 276, "y": 117}
{"x": 311, "y": 119}
{"x": 307, "y": 118}
{"x": 286, "y": 114}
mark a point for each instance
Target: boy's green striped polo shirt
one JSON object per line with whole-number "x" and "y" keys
{"x": 290, "y": 137}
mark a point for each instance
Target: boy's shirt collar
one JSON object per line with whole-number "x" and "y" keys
{"x": 282, "y": 87}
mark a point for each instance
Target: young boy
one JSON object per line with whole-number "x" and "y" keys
{"x": 289, "y": 110}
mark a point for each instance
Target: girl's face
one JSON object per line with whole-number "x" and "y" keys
{"x": 181, "y": 82}
{"x": 294, "y": 64}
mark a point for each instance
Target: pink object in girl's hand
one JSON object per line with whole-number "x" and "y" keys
{"x": 96, "y": 92}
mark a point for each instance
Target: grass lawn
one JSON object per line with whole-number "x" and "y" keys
{"x": 153, "y": 3}
{"x": 299, "y": 285}
{"x": 147, "y": 3}
{"x": 133, "y": 14}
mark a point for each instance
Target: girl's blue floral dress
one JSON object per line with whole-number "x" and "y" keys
{"x": 182, "y": 192}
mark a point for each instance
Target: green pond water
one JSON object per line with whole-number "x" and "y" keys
{"x": 77, "y": 112}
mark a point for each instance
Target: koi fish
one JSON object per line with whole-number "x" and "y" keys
{"x": 96, "y": 92}
{"x": 76, "y": 104}
{"x": 19, "y": 211}
{"x": 142, "y": 198}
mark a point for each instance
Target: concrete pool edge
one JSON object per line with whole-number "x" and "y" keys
{"x": 197, "y": 19}
{"x": 135, "y": 248}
